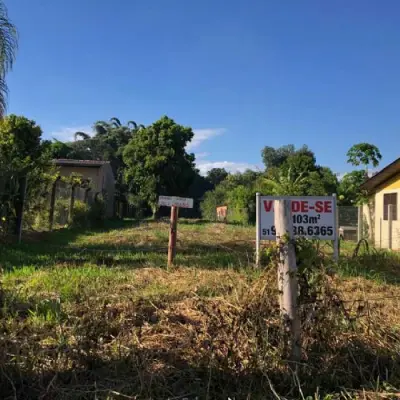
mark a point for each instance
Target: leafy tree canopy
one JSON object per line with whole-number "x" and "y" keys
{"x": 364, "y": 154}
{"x": 216, "y": 175}
{"x": 24, "y": 162}
{"x": 349, "y": 191}
{"x": 157, "y": 162}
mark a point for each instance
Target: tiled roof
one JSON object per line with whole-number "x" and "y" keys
{"x": 80, "y": 163}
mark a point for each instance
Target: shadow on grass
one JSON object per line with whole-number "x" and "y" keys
{"x": 48, "y": 249}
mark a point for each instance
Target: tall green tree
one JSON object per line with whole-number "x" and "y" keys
{"x": 8, "y": 47}
{"x": 25, "y": 167}
{"x": 157, "y": 162}
{"x": 349, "y": 191}
{"x": 216, "y": 175}
{"x": 364, "y": 154}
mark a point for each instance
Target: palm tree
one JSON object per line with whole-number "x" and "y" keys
{"x": 286, "y": 184}
{"x": 8, "y": 47}
{"x": 115, "y": 122}
{"x": 82, "y": 135}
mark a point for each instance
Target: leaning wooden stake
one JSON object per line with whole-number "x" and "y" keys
{"x": 172, "y": 235}
{"x": 287, "y": 276}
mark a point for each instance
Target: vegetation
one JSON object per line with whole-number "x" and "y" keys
{"x": 96, "y": 315}
{"x": 25, "y": 169}
{"x": 364, "y": 154}
{"x": 157, "y": 162}
{"x": 8, "y": 47}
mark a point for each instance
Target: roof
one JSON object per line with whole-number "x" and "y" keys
{"x": 382, "y": 176}
{"x": 80, "y": 163}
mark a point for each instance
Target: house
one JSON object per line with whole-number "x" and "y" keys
{"x": 99, "y": 173}
{"x": 384, "y": 194}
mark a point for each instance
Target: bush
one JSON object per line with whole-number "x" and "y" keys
{"x": 96, "y": 213}
{"x": 79, "y": 213}
{"x": 212, "y": 200}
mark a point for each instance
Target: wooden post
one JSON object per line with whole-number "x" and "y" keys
{"x": 71, "y": 203}
{"x": 390, "y": 224}
{"x": 258, "y": 229}
{"x": 52, "y": 203}
{"x": 336, "y": 242}
{"x": 172, "y": 235}
{"x": 380, "y": 233}
{"x": 360, "y": 230}
{"x": 86, "y": 199}
{"x": 287, "y": 275}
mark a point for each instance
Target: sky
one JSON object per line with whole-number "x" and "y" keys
{"x": 243, "y": 74}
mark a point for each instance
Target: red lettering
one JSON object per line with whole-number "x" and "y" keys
{"x": 295, "y": 206}
{"x": 319, "y": 206}
{"x": 328, "y": 206}
{"x": 304, "y": 206}
{"x": 268, "y": 205}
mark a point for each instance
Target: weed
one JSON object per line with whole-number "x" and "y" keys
{"x": 95, "y": 314}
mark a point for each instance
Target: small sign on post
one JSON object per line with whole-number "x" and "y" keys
{"x": 175, "y": 203}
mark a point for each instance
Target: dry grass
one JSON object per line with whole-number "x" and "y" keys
{"x": 207, "y": 328}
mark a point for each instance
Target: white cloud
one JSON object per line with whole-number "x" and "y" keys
{"x": 67, "y": 134}
{"x": 230, "y": 166}
{"x": 201, "y": 135}
{"x": 201, "y": 156}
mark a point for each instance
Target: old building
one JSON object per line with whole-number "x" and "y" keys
{"x": 99, "y": 173}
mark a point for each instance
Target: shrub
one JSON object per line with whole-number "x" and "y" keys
{"x": 211, "y": 201}
{"x": 96, "y": 213}
{"x": 79, "y": 214}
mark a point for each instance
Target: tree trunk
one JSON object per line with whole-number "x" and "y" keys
{"x": 19, "y": 205}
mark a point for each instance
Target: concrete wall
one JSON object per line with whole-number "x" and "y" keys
{"x": 102, "y": 180}
{"x": 373, "y": 213}
{"x": 108, "y": 188}
{"x": 86, "y": 172}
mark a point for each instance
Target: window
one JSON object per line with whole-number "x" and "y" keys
{"x": 389, "y": 199}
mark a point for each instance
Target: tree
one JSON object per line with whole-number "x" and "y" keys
{"x": 275, "y": 157}
{"x": 322, "y": 182}
{"x": 157, "y": 162}
{"x": 365, "y": 154}
{"x": 216, "y": 175}
{"x": 25, "y": 167}
{"x": 349, "y": 190}
{"x": 282, "y": 183}
{"x": 8, "y": 47}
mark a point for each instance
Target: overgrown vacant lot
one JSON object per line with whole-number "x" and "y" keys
{"x": 96, "y": 315}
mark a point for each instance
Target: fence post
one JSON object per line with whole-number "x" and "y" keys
{"x": 380, "y": 233}
{"x": 287, "y": 275}
{"x": 71, "y": 203}
{"x": 336, "y": 242}
{"x": 390, "y": 219}
{"x": 172, "y": 235}
{"x": 86, "y": 199}
{"x": 52, "y": 203}
{"x": 258, "y": 229}
{"x": 360, "y": 224}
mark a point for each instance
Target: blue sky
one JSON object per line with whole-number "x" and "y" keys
{"x": 243, "y": 74}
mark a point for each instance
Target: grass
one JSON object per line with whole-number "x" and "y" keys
{"x": 97, "y": 315}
